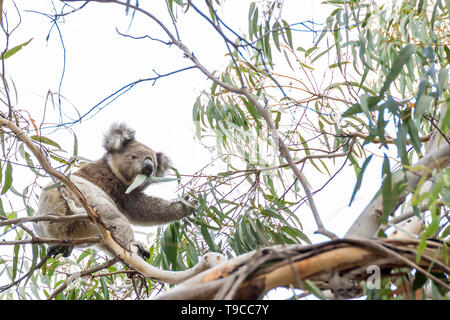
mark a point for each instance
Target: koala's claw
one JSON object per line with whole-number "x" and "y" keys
{"x": 139, "y": 248}
{"x": 53, "y": 251}
{"x": 189, "y": 205}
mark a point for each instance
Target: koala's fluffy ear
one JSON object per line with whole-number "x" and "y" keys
{"x": 163, "y": 164}
{"x": 118, "y": 136}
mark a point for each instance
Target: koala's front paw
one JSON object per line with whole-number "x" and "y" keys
{"x": 189, "y": 205}
{"x": 139, "y": 248}
{"x": 53, "y": 251}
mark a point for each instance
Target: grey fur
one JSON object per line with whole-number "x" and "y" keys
{"x": 119, "y": 135}
{"x": 103, "y": 183}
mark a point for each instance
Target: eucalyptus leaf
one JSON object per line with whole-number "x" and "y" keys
{"x": 359, "y": 178}
{"x": 138, "y": 181}
{"x": 8, "y": 178}
{"x": 400, "y": 60}
{"x": 14, "y": 50}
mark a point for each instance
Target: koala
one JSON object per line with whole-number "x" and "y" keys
{"x": 104, "y": 183}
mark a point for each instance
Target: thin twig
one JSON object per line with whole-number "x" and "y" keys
{"x": 39, "y": 240}
{"x": 51, "y": 218}
{"x": 28, "y": 274}
{"x": 77, "y": 275}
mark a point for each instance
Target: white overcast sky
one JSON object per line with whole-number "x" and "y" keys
{"x": 99, "y": 62}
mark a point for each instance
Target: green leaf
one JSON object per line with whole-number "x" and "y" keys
{"x": 252, "y": 111}
{"x": 288, "y": 34}
{"x": 75, "y": 145}
{"x": 42, "y": 139}
{"x": 225, "y": 173}
{"x": 1, "y": 12}
{"x": 15, "y": 261}
{"x": 275, "y": 30}
{"x": 387, "y": 190}
{"x": 359, "y": 179}
{"x": 321, "y": 53}
{"x": 142, "y": 179}
{"x": 442, "y": 80}
{"x": 400, "y": 60}
{"x": 295, "y": 233}
{"x": 162, "y": 179}
{"x": 191, "y": 254}
{"x": 2, "y": 211}
{"x": 414, "y": 135}
{"x": 31, "y": 165}
{"x": 422, "y": 106}
{"x": 169, "y": 244}
{"x": 139, "y": 180}
{"x": 208, "y": 239}
{"x": 269, "y": 212}
{"x": 311, "y": 287}
{"x": 370, "y": 104}
{"x": 104, "y": 288}
{"x": 14, "y": 50}
{"x": 35, "y": 251}
{"x": 267, "y": 49}
{"x": 419, "y": 280}
{"x": 170, "y": 6}
{"x": 8, "y": 178}
{"x": 83, "y": 255}
{"x": 310, "y": 50}
{"x": 253, "y": 24}
{"x": 251, "y": 9}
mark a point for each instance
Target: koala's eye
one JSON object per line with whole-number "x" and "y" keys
{"x": 133, "y": 157}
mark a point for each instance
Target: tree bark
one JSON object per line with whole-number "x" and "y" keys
{"x": 368, "y": 222}
{"x": 337, "y": 265}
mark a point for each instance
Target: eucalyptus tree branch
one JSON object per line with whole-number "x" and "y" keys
{"x": 251, "y": 98}
{"x": 283, "y": 265}
{"x": 49, "y": 169}
{"x": 410, "y": 213}
{"x": 287, "y": 156}
{"x": 387, "y": 139}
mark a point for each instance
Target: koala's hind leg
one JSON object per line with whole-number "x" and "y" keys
{"x": 73, "y": 206}
{"x": 109, "y": 213}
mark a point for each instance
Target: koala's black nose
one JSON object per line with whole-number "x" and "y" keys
{"x": 147, "y": 167}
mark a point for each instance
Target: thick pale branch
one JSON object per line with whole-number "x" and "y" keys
{"x": 291, "y": 265}
{"x": 367, "y": 224}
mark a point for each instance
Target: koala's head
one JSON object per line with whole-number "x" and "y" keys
{"x": 127, "y": 157}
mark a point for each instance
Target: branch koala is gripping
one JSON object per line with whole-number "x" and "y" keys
{"x": 104, "y": 184}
